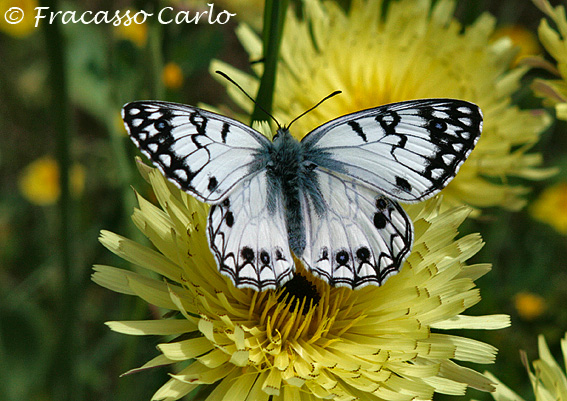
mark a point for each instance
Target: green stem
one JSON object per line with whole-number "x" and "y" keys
{"x": 66, "y": 385}
{"x": 274, "y": 19}
{"x": 155, "y": 60}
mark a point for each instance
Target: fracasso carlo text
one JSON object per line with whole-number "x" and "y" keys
{"x": 166, "y": 15}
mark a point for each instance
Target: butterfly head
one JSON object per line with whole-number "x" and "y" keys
{"x": 281, "y": 133}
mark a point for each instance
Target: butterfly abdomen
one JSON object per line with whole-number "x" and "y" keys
{"x": 285, "y": 173}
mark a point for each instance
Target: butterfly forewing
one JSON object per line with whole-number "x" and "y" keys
{"x": 248, "y": 239}
{"x": 408, "y": 151}
{"x": 359, "y": 238}
{"x": 203, "y": 153}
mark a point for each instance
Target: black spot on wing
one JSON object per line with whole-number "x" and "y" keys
{"x": 388, "y": 121}
{"x": 381, "y": 203}
{"x": 163, "y": 126}
{"x": 199, "y": 121}
{"x": 224, "y": 132}
{"x": 264, "y": 257}
{"x": 363, "y": 254}
{"x": 247, "y": 254}
{"x": 403, "y": 184}
{"x": 212, "y": 183}
{"x": 342, "y": 258}
{"x": 324, "y": 254}
{"x": 358, "y": 129}
{"x": 379, "y": 220}
{"x": 229, "y": 219}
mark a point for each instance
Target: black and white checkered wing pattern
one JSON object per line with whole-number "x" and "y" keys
{"x": 355, "y": 236}
{"x": 203, "y": 153}
{"x": 408, "y": 151}
{"x": 249, "y": 239}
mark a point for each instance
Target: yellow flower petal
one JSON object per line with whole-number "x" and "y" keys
{"x": 152, "y": 327}
{"x": 186, "y": 349}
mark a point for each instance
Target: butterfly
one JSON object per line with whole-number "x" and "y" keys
{"x": 330, "y": 199}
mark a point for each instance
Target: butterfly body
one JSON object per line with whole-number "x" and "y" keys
{"x": 330, "y": 199}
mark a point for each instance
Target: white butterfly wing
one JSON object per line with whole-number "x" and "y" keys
{"x": 354, "y": 235}
{"x": 203, "y": 153}
{"x": 249, "y": 238}
{"x": 408, "y": 151}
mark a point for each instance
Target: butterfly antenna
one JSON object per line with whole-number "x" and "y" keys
{"x": 314, "y": 107}
{"x": 229, "y": 79}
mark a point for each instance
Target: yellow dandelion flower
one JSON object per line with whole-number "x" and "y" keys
{"x": 306, "y": 340}
{"x": 555, "y": 42}
{"x": 39, "y": 182}
{"x": 548, "y": 380}
{"x": 525, "y": 40}
{"x": 551, "y": 207}
{"x": 172, "y": 76}
{"x": 410, "y": 52}
{"x": 17, "y": 17}
{"x": 529, "y": 306}
{"x": 134, "y": 32}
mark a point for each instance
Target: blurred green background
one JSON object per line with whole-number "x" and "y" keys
{"x": 61, "y": 91}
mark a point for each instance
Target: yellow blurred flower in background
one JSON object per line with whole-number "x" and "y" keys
{"x": 555, "y": 42}
{"x": 306, "y": 340}
{"x": 551, "y": 207}
{"x": 413, "y": 51}
{"x": 522, "y": 38}
{"x": 135, "y": 33}
{"x": 529, "y": 306}
{"x": 39, "y": 182}
{"x": 172, "y": 76}
{"x": 9, "y": 12}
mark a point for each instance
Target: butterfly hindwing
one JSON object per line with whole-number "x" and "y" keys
{"x": 249, "y": 239}
{"x": 355, "y": 236}
{"x": 408, "y": 151}
{"x": 203, "y": 153}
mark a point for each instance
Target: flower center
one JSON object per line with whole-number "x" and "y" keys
{"x": 296, "y": 290}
